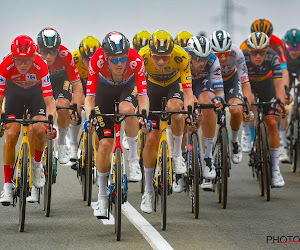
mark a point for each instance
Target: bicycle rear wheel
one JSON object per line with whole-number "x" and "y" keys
{"x": 296, "y": 145}
{"x": 265, "y": 161}
{"x": 23, "y": 187}
{"x": 48, "y": 174}
{"x": 89, "y": 169}
{"x": 83, "y": 166}
{"x": 195, "y": 173}
{"x": 165, "y": 185}
{"x": 118, "y": 193}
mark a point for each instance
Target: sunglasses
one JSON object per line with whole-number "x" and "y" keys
{"x": 256, "y": 52}
{"x": 291, "y": 48}
{"x": 20, "y": 61}
{"x": 159, "y": 57}
{"x": 119, "y": 59}
{"x": 199, "y": 59}
{"x": 220, "y": 54}
{"x": 45, "y": 52}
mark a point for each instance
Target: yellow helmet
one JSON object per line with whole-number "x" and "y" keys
{"x": 182, "y": 38}
{"x": 161, "y": 42}
{"x": 88, "y": 46}
{"x": 141, "y": 39}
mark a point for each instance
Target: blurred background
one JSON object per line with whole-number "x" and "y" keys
{"x": 74, "y": 19}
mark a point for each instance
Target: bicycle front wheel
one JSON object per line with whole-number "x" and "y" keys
{"x": 196, "y": 173}
{"x": 48, "y": 174}
{"x": 140, "y": 150}
{"x": 225, "y": 166}
{"x": 296, "y": 144}
{"x": 164, "y": 186}
{"x": 83, "y": 166}
{"x": 118, "y": 193}
{"x": 265, "y": 161}
{"x": 23, "y": 187}
{"x": 89, "y": 169}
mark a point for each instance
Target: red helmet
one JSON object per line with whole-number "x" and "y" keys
{"x": 23, "y": 46}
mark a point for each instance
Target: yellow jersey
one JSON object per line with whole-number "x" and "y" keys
{"x": 177, "y": 67}
{"x": 82, "y": 70}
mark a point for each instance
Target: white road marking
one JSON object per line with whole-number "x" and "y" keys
{"x": 146, "y": 229}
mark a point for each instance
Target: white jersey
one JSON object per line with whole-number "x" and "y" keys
{"x": 235, "y": 62}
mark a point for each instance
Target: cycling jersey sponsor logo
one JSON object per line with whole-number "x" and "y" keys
{"x": 179, "y": 59}
{"x": 2, "y": 80}
{"x": 176, "y": 95}
{"x": 188, "y": 85}
{"x": 37, "y": 66}
{"x": 128, "y": 99}
{"x": 241, "y": 60}
{"x": 133, "y": 64}
{"x": 154, "y": 124}
{"x": 66, "y": 85}
{"x": 144, "y": 83}
{"x": 2, "y": 89}
{"x": 42, "y": 112}
{"x": 15, "y": 76}
{"x": 89, "y": 83}
{"x": 107, "y": 132}
{"x": 244, "y": 78}
{"x": 11, "y": 116}
{"x": 91, "y": 71}
{"x": 31, "y": 77}
{"x": 46, "y": 81}
{"x": 63, "y": 53}
{"x": 100, "y": 62}
{"x": 142, "y": 70}
{"x": 47, "y": 91}
{"x": 188, "y": 77}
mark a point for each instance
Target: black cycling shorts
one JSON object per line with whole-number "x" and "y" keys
{"x": 156, "y": 93}
{"x": 233, "y": 88}
{"x": 16, "y": 97}
{"x": 61, "y": 86}
{"x": 106, "y": 96}
{"x": 201, "y": 85}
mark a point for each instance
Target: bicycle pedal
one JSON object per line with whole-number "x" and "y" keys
{"x": 102, "y": 217}
{"x": 6, "y": 204}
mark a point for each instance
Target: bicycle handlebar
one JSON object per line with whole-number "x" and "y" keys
{"x": 278, "y": 101}
{"x": 73, "y": 107}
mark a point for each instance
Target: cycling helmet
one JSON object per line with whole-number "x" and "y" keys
{"x": 88, "y": 46}
{"x": 23, "y": 46}
{"x": 220, "y": 41}
{"x": 182, "y": 38}
{"x": 161, "y": 43}
{"x": 141, "y": 39}
{"x": 48, "y": 38}
{"x": 258, "y": 40}
{"x": 115, "y": 43}
{"x": 292, "y": 37}
{"x": 199, "y": 46}
{"x": 262, "y": 25}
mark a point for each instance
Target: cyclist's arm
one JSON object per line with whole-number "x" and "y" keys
{"x": 188, "y": 97}
{"x": 88, "y": 105}
{"x": 1, "y": 101}
{"x": 78, "y": 96}
{"x": 285, "y": 77}
{"x": 50, "y": 106}
{"x": 143, "y": 103}
{"x": 277, "y": 78}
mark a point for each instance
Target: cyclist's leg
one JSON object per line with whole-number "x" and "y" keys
{"x": 204, "y": 92}
{"x": 128, "y": 103}
{"x": 14, "y": 107}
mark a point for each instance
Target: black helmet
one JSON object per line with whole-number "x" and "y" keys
{"x": 48, "y": 38}
{"x": 115, "y": 43}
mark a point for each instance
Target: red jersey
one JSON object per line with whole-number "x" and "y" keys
{"x": 37, "y": 74}
{"x": 134, "y": 68}
{"x": 64, "y": 61}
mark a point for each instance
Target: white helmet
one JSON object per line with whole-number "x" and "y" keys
{"x": 220, "y": 41}
{"x": 258, "y": 40}
{"x": 199, "y": 46}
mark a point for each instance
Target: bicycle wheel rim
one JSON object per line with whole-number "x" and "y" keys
{"x": 218, "y": 166}
{"x": 195, "y": 167}
{"x": 84, "y": 172}
{"x": 141, "y": 149}
{"x": 225, "y": 167}
{"x": 118, "y": 194}
{"x": 49, "y": 175}
{"x": 23, "y": 187}
{"x": 265, "y": 162}
{"x": 89, "y": 176}
{"x": 165, "y": 185}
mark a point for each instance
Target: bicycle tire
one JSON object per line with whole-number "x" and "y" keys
{"x": 296, "y": 145}
{"x": 23, "y": 187}
{"x": 225, "y": 166}
{"x": 164, "y": 186}
{"x": 218, "y": 165}
{"x": 257, "y": 162}
{"x": 118, "y": 193}
{"x": 84, "y": 172}
{"x": 48, "y": 175}
{"x": 141, "y": 160}
{"x": 89, "y": 169}
{"x": 195, "y": 173}
{"x": 265, "y": 161}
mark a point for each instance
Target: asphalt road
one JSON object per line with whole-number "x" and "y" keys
{"x": 248, "y": 222}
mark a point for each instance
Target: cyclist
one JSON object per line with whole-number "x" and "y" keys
{"x": 116, "y": 72}
{"x": 24, "y": 79}
{"x": 168, "y": 75}
{"x": 207, "y": 88}
{"x": 235, "y": 81}
{"x": 139, "y": 41}
{"x": 63, "y": 75}
{"x": 82, "y": 56}
{"x": 264, "y": 70}
{"x": 182, "y": 38}
{"x": 292, "y": 49}
{"x": 264, "y": 25}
